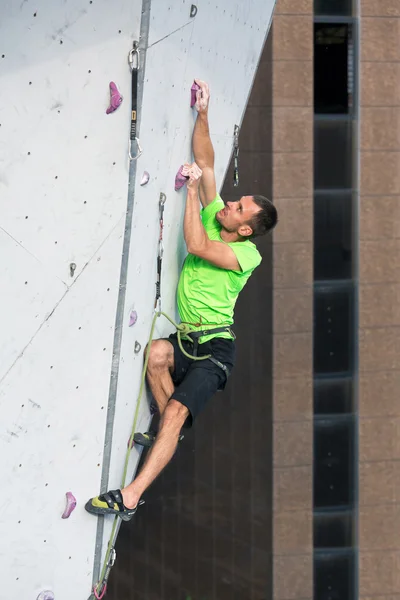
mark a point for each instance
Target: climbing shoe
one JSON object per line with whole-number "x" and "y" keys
{"x": 147, "y": 439}
{"x": 111, "y": 503}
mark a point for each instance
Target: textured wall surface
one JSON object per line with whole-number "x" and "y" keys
{"x": 64, "y": 176}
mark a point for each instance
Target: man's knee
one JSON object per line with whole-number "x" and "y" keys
{"x": 175, "y": 415}
{"x": 161, "y": 355}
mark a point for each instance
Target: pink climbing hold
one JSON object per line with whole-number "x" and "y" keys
{"x": 46, "y": 595}
{"x": 132, "y": 318}
{"x": 193, "y": 90}
{"x": 71, "y": 503}
{"x": 145, "y": 178}
{"x": 115, "y": 98}
{"x": 180, "y": 178}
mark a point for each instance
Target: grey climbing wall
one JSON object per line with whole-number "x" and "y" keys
{"x": 64, "y": 184}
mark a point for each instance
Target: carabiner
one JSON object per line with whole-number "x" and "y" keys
{"x": 139, "y": 149}
{"x": 131, "y": 57}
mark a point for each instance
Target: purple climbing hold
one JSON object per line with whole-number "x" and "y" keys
{"x": 132, "y": 318}
{"x": 130, "y": 443}
{"x": 193, "y": 90}
{"x": 145, "y": 178}
{"x": 46, "y": 595}
{"x": 180, "y": 179}
{"x": 115, "y": 98}
{"x": 71, "y": 503}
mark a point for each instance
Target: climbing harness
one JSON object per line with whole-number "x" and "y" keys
{"x": 160, "y": 252}
{"x": 235, "y": 156}
{"x": 184, "y": 331}
{"x": 134, "y": 63}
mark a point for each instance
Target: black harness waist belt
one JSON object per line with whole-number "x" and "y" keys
{"x": 196, "y": 335}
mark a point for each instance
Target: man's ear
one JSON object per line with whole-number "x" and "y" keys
{"x": 245, "y": 230}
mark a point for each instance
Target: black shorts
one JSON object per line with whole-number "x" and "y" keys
{"x": 196, "y": 381}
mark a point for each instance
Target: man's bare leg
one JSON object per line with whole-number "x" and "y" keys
{"x": 159, "y": 369}
{"x": 172, "y": 420}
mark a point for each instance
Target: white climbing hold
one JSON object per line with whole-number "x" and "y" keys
{"x": 71, "y": 503}
{"x": 145, "y": 178}
{"x": 46, "y": 595}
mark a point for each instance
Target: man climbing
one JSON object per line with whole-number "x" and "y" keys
{"x": 220, "y": 260}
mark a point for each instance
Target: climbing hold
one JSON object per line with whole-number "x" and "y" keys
{"x": 145, "y": 178}
{"x": 46, "y": 595}
{"x": 71, "y": 503}
{"x": 115, "y": 98}
{"x": 193, "y": 91}
{"x": 193, "y": 10}
{"x": 72, "y": 268}
{"x": 130, "y": 443}
{"x": 132, "y": 318}
{"x": 138, "y": 347}
{"x": 180, "y": 179}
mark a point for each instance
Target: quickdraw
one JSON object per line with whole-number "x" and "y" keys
{"x": 134, "y": 63}
{"x": 157, "y": 303}
{"x": 235, "y": 156}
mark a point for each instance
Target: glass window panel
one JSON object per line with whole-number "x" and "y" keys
{"x": 333, "y": 154}
{"x": 334, "y": 462}
{"x": 333, "y": 236}
{"x": 333, "y": 329}
{"x": 334, "y": 576}
{"x": 343, "y": 8}
{"x": 333, "y": 530}
{"x": 333, "y": 68}
{"x": 333, "y": 396}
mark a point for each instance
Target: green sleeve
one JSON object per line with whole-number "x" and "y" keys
{"x": 247, "y": 255}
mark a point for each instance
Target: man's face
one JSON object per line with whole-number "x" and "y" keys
{"x": 236, "y": 215}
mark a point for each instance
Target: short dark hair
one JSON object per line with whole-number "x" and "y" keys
{"x": 265, "y": 219}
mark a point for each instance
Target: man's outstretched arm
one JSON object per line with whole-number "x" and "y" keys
{"x": 203, "y": 150}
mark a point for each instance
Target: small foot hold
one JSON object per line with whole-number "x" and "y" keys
{"x": 180, "y": 179}
{"x": 145, "y": 178}
{"x": 71, "y": 504}
{"x": 46, "y": 595}
{"x": 193, "y": 11}
{"x": 132, "y": 318}
{"x": 115, "y": 98}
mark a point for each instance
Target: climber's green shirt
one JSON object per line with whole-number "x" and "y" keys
{"x": 207, "y": 294}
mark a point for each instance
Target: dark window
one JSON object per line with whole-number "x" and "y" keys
{"x": 343, "y": 8}
{"x": 333, "y": 154}
{"x": 334, "y": 462}
{"x": 333, "y": 329}
{"x": 333, "y": 68}
{"x": 333, "y": 530}
{"x": 333, "y": 237}
{"x": 334, "y": 576}
{"x": 333, "y": 396}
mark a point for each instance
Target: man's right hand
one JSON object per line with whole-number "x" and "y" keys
{"x": 194, "y": 173}
{"x": 202, "y": 96}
